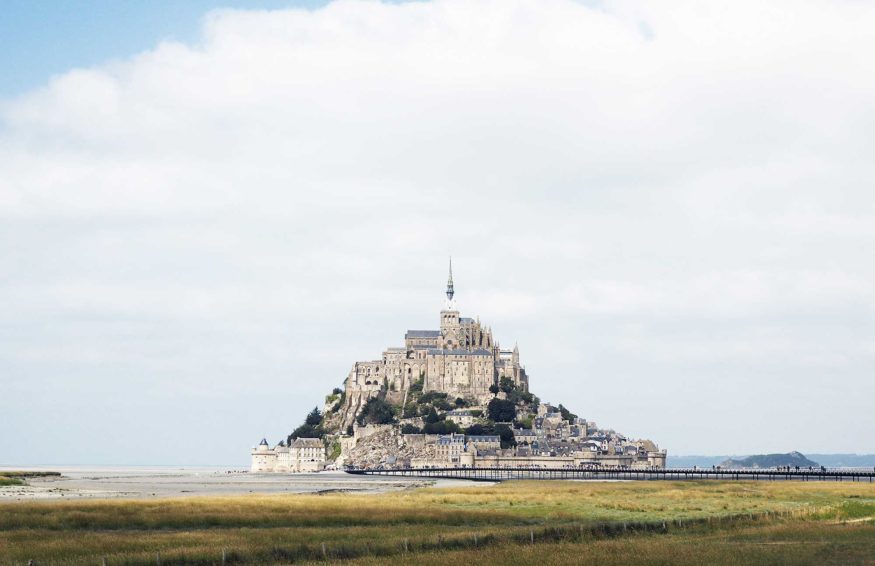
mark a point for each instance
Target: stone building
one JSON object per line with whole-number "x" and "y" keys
{"x": 302, "y": 455}
{"x": 461, "y": 358}
{"x": 263, "y": 458}
{"x": 462, "y": 417}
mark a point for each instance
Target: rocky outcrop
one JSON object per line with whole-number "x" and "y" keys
{"x": 386, "y": 445}
{"x": 791, "y": 459}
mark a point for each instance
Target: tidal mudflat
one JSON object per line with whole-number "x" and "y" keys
{"x": 162, "y": 482}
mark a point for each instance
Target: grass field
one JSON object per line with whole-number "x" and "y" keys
{"x": 510, "y": 523}
{"x": 18, "y": 478}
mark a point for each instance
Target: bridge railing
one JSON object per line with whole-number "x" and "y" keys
{"x": 520, "y": 472}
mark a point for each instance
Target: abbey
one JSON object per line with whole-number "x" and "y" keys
{"x": 461, "y": 359}
{"x": 448, "y": 397}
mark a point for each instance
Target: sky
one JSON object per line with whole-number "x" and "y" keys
{"x": 208, "y": 212}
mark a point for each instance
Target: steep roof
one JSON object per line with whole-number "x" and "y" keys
{"x": 484, "y": 438}
{"x": 307, "y": 443}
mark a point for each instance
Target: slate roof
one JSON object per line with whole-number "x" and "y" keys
{"x": 479, "y": 352}
{"x": 423, "y": 334}
{"x": 524, "y": 432}
{"x": 307, "y": 443}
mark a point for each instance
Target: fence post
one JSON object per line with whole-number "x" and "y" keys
{"x": 158, "y": 559}
{"x": 103, "y": 562}
{"x": 475, "y": 539}
{"x": 324, "y": 552}
{"x": 223, "y": 556}
{"x": 532, "y": 536}
{"x": 405, "y": 543}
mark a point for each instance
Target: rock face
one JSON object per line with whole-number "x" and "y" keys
{"x": 386, "y": 446}
{"x": 791, "y": 459}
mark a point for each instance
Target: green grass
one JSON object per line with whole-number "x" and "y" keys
{"x": 29, "y": 474}
{"x": 6, "y": 480}
{"x": 514, "y": 522}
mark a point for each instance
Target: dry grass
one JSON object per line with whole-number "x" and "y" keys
{"x": 782, "y": 542}
{"x": 497, "y": 523}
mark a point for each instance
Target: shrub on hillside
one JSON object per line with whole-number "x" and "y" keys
{"x": 441, "y": 427}
{"x": 305, "y": 431}
{"x": 376, "y": 411}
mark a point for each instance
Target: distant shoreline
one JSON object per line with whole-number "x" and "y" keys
{"x": 827, "y": 460}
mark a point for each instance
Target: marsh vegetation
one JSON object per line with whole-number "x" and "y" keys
{"x": 513, "y": 522}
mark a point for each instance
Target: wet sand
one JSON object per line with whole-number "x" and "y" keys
{"x": 160, "y": 482}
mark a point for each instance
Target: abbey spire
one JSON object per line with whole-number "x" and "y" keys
{"x": 450, "y": 291}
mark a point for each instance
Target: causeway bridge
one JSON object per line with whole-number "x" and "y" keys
{"x": 534, "y": 473}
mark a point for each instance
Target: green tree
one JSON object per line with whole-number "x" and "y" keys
{"x": 478, "y": 429}
{"x": 505, "y": 433}
{"x": 410, "y": 429}
{"x": 494, "y": 389}
{"x": 314, "y": 418}
{"x": 566, "y": 414}
{"x": 432, "y": 416}
{"x": 441, "y": 427}
{"x": 500, "y": 410}
{"x": 335, "y": 451}
{"x": 439, "y": 400}
{"x": 409, "y": 410}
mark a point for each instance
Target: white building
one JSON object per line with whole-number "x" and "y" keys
{"x": 303, "y": 455}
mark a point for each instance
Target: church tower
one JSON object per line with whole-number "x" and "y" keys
{"x": 450, "y": 323}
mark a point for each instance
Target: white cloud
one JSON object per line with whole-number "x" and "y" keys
{"x": 631, "y": 188}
